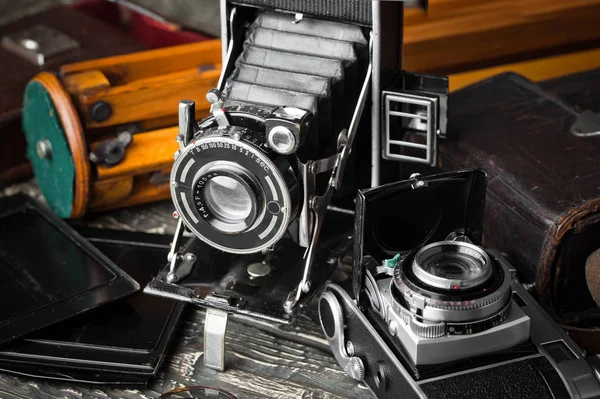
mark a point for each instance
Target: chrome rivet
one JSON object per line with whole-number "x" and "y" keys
{"x": 306, "y": 287}
{"x": 349, "y": 348}
{"x": 44, "y": 149}
{"x": 393, "y": 328}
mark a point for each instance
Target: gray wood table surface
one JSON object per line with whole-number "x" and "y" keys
{"x": 264, "y": 360}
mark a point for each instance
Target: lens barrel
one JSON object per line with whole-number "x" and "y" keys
{"x": 451, "y": 287}
{"x": 231, "y": 189}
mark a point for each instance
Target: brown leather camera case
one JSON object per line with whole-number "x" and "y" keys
{"x": 543, "y": 198}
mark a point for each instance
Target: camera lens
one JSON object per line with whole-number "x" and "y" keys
{"x": 452, "y": 265}
{"x": 233, "y": 195}
{"x": 227, "y": 199}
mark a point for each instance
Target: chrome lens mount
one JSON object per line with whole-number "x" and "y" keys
{"x": 451, "y": 287}
{"x": 232, "y": 193}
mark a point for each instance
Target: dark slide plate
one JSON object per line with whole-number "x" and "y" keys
{"x": 48, "y": 272}
{"x": 122, "y": 342}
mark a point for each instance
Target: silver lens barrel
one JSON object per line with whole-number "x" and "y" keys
{"x": 452, "y": 284}
{"x": 232, "y": 194}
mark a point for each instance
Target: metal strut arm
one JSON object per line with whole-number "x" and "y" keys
{"x": 318, "y": 203}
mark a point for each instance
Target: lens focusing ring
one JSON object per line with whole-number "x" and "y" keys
{"x": 440, "y": 265}
{"x": 461, "y": 311}
{"x": 276, "y": 190}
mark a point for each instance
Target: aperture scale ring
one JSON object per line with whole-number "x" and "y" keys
{"x": 428, "y": 329}
{"x": 418, "y": 300}
{"x": 192, "y": 158}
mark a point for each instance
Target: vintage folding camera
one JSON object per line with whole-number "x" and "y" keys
{"x": 304, "y": 84}
{"x": 433, "y": 314}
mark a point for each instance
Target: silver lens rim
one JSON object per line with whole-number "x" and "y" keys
{"x": 187, "y": 214}
{"x": 455, "y": 247}
{"x": 252, "y": 187}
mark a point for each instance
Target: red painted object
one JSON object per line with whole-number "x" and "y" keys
{"x": 148, "y": 31}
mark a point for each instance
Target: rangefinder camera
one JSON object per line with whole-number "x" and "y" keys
{"x": 312, "y": 104}
{"x": 432, "y": 314}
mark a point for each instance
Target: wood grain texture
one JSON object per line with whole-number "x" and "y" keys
{"x": 149, "y": 98}
{"x": 137, "y": 87}
{"x": 147, "y": 64}
{"x": 459, "y": 35}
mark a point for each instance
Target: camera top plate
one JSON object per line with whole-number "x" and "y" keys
{"x": 400, "y": 217}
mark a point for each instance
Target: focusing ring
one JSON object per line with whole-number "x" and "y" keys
{"x": 274, "y": 176}
{"x": 458, "y": 306}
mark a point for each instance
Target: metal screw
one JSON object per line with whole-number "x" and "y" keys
{"x": 350, "y": 348}
{"x": 288, "y": 305}
{"x": 420, "y": 183}
{"x": 100, "y": 111}
{"x": 314, "y": 203}
{"x": 174, "y": 184}
{"x": 267, "y": 250}
{"x": 355, "y": 369}
{"x": 312, "y": 168}
{"x": 190, "y": 257}
{"x": 44, "y": 149}
{"x": 213, "y": 96}
{"x": 393, "y": 328}
{"x": 237, "y": 136}
{"x": 179, "y": 138}
{"x": 530, "y": 287}
{"x": 171, "y": 277}
{"x": 331, "y": 261}
{"x": 30, "y": 44}
{"x": 306, "y": 287}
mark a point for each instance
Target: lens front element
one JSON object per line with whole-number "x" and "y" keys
{"x": 227, "y": 199}
{"x": 452, "y": 265}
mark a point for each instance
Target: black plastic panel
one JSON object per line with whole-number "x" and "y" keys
{"x": 49, "y": 273}
{"x": 119, "y": 343}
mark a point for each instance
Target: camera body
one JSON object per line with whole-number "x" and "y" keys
{"x": 312, "y": 104}
{"x": 432, "y": 314}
